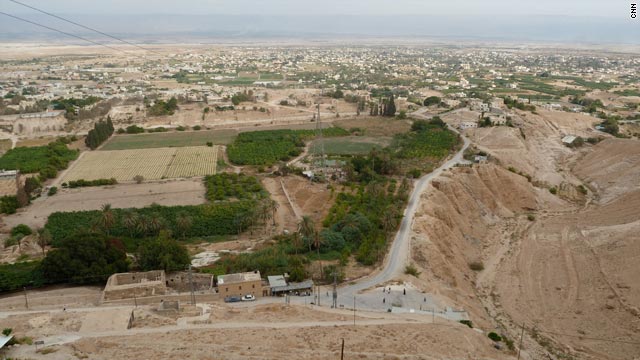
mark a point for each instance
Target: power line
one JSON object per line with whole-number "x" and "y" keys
{"x": 68, "y": 34}
{"x": 84, "y": 26}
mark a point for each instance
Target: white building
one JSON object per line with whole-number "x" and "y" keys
{"x": 468, "y": 125}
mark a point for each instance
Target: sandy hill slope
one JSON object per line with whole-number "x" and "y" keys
{"x": 613, "y": 169}
{"x": 566, "y": 269}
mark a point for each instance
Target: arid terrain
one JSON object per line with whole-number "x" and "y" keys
{"x": 471, "y": 202}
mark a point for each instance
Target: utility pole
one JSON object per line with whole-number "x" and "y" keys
{"x": 26, "y": 299}
{"x": 521, "y": 338}
{"x": 342, "y": 350}
{"x": 193, "y": 296}
{"x": 354, "y": 310}
{"x": 335, "y": 290}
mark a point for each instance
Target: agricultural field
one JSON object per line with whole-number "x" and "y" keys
{"x": 152, "y": 164}
{"x": 51, "y": 158}
{"x": 170, "y": 139}
{"x": 269, "y": 147}
{"x": 353, "y": 145}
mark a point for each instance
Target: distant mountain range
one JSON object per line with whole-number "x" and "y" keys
{"x": 198, "y": 28}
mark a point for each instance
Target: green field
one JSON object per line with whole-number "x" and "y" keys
{"x": 353, "y": 145}
{"x": 170, "y": 139}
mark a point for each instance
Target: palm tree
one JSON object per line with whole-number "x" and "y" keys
{"x": 155, "y": 224}
{"x": 295, "y": 241}
{"x": 307, "y": 228}
{"x": 183, "y": 224}
{"x": 273, "y": 206}
{"x": 142, "y": 225}
{"x": 130, "y": 221}
{"x": 317, "y": 241}
{"x": 264, "y": 211}
{"x": 107, "y": 218}
{"x": 44, "y": 239}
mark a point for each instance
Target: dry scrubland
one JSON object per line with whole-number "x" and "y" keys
{"x": 152, "y": 164}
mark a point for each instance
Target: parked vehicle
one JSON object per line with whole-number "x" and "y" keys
{"x": 248, "y": 297}
{"x": 232, "y": 299}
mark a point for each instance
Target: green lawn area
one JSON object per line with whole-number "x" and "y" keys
{"x": 170, "y": 139}
{"x": 353, "y": 145}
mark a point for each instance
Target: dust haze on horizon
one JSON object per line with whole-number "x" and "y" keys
{"x": 591, "y": 21}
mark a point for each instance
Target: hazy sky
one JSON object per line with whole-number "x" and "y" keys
{"x": 600, "y": 8}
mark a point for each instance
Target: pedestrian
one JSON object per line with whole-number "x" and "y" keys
{"x": 404, "y": 291}
{"x": 383, "y": 300}
{"x": 425, "y": 299}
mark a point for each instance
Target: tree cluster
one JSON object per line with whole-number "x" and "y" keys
{"x": 101, "y": 131}
{"x": 161, "y": 107}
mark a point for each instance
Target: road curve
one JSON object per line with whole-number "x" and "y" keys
{"x": 399, "y": 252}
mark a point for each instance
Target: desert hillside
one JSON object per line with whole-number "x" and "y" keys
{"x": 512, "y": 253}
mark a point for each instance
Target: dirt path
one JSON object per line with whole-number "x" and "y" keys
{"x": 285, "y": 215}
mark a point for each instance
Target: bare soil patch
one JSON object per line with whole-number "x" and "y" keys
{"x": 182, "y": 192}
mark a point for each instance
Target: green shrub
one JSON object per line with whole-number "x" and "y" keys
{"x": 134, "y": 129}
{"x": 52, "y": 191}
{"x": 495, "y": 337}
{"x": 19, "y": 275}
{"x": 467, "y": 322}
{"x": 21, "y": 229}
{"x": 531, "y": 217}
{"x": 553, "y": 190}
{"x": 411, "y": 270}
{"x": 9, "y": 204}
{"x": 415, "y": 173}
{"x": 86, "y": 183}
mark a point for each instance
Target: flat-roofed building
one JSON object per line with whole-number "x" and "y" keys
{"x": 240, "y": 284}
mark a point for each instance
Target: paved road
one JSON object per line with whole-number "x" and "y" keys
{"x": 399, "y": 253}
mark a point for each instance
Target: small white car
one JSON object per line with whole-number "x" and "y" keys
{"x": 248, "y": 297}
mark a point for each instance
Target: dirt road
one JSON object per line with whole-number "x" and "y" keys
{"x": 399, "y": 253}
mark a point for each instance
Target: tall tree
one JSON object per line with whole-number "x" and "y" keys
{"x": 130, "y": 221}
{"x": 390, "y": 107}
{"x": 307, "y": 228}
{"x": 107, "y": 218}
{"x": 183, "y": 224}
{"x": 162, "y": 253}
{"x": 273, "y": 206}
{"x": 44, "y": 239}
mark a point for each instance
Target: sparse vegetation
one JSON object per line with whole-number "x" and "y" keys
{"x": 495, "y": 337}
{"x": 476, "y": 266}
{"x": 411, "y": 270}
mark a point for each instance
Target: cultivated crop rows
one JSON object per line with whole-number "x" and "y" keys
{"x": 152, "y": 164}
